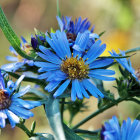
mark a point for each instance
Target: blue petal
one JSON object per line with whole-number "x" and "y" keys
{"x": 49, "y": 56}
{"x": 61, "y": 25}
{"x": 88, "y": 86}
{"x": 102, "y": 77}
{"x": 57, "y": 76}
{"x": 44, "y": 75}
{"x": 80, "y": 27}
{"x": 77, "y": 88}
{"x": 13, "y": 119}
{"x": 21, "y": 112}
{"x": 23, "y": 40}
{"x": 73, "y": 92}
{"x": 84, "y": 91}
{"x": 19, "y": 80}
{"x": 3, "y": 114}
{"x": 95, "y": 53}
{"x": 93, "y": 49}
{"x": 101, "y": 63}
{"x": 92, "y": 89}
{"x": 82, "y": 40}
{"x": 125, "y": 127}
{"x": 11, "y": 58}
{"x": 2, "y": 83}
{"x": 102, "y": 72}
{"x": 63, "y": 43}
{"x": 22, "y": 103}
{"x": 52, "y": 85}
{"x": 94, "y": 36}
{"x": 12, "y": 50}
{"x": 58, "y": 46}
{"x": 62, "y": 88}
{"x": 48, "y": 66}
{"x": 12, "y": 66}
{"x": 54, "y": 46}
{"x": 21, "y": 93}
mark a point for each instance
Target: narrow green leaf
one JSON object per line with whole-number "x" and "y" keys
{"x": 70, "y": 135}
{"x": 132, "y": 50}
{"x": 118, "y": 57}
{"x": 58, "y": 9}
{"x": 11, "y": 36}
{"x": 101, "y": 33}
{"x": 42, "y": 136}
{"x": 33, "y": 127}
{"x": 138, "y": 117}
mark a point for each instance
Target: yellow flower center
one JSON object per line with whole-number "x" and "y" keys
{"x": 76, "y": 69}
{"x": 27, "y": 49}
{"x": 4, "y": 100}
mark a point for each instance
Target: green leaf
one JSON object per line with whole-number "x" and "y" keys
{"x": 70, "y": 135}
{"x": 58, "y": 9}
{"x": 54, "y": 117}
{"x": 138, "y": 117}
{"x": 118, "y": 57}
{"x": 132, "y": 50}
{"x": 11, "y": 36}
{"x": 42, "y": 136}
{"x": 101, "y": 33}
{"x": 33, "y": 127}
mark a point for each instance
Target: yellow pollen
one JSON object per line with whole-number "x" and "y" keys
{"x": 27, "y": 49}
{"x": 4, "y": 100}
{"x": 76, "y": 69}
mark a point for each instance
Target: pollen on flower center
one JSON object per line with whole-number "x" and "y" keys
{"x": 4, "y": 100}
{"x": 27, "y": 50}
{"x": 76, "y": 69}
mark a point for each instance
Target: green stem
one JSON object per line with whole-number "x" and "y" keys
{"x": 87, "y": 132}
{"x": 25, "y": 129}
{"x": 134, "y": 100}
{"x": 99, "y": 111}
{"x": 58, "y": 9}
{"x": 71, "y": 119}
{"x": 62, "y": 109}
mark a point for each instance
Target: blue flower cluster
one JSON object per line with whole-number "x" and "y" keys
{"x": 18, "y": 61}
{"x": 12, "y": 107}
{"x": 127, "y": 131}
{"x": 74, "y": 66}
{"x": 126, "y": 64}
{"x": 71, "y": 61}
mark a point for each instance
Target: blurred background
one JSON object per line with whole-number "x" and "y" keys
{"x": 119, "y": 18}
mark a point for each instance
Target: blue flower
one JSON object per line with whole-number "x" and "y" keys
{"x": 12, "y": 107}
{"x": 37, "y": 40}
{"x": 126, "y": 64}
{"x": 127, "y": 131}
{"x": 72, "y": 29}
{"x": 68, "y": 67}
{"x": 17, "y": 60}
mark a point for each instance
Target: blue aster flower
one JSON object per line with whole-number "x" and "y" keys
{"x": 12, "y": 107}
{"x": 126, "y": 64}
{"x": 67, "y": 67}
{"x": 127, "y": 131}
{"x": 73, "y": 28}
{"x": 17, "y": 60}
{"x": 37, "y": 40}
